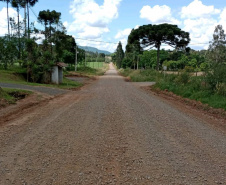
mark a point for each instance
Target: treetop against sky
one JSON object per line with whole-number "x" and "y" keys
{"x": 112, "y": 20}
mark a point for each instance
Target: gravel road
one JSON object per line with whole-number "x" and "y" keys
{"x": 42, "y": 89}
{"x": 111, "y": 132}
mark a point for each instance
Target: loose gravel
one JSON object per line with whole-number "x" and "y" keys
{"x": 111, "y": 132}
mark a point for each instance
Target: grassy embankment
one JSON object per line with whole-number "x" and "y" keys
{"x": 10, "y": 96}
{"x": 184, "y": 85}
{"x": 17, "y": 75}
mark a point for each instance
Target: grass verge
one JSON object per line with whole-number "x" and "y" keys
{"x": 17, "y": 75}
{"x": 141, "y": 75}
{"x": 10, "y": 96}
{"x": 184, "y": 85}
{"x": 90, "y": 71}
{"x": 193, "y": 89}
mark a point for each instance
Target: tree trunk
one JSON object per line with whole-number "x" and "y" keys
{"x": 25, "y": 22}
{"x": 76, "y": 58}
{"x": 50, "y": 27}
{"x": 18, "y": 27}
{"x": 45, "y": 31}
{"x": 28, "y": 21}
{"x": 137, "y": 63}
{"x": 8, "y": 16}
{"x": 158, "y": 52}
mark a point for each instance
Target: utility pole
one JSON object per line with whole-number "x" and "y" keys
{"x": 76, "y": 58}
{"x": 85, "y": 58}
{"x": 137, "y": 62}
{"x": 97, "y": 61}
{"x": 25, "y": 22}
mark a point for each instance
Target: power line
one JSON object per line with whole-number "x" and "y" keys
{"x": 33, "y": 12}
{"x": 97, "y": 41}
{"x": 133, "y": 44}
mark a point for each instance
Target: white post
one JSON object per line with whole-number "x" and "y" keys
{"x": 76, "y": 58}
{"x": 85, "y": 58}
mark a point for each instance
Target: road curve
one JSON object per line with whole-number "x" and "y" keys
{"x": 111, "y": 132}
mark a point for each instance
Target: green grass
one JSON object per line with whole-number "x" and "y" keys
{"x": 13, "y": 95}
{"x": 90, "y": 71}
{"x": 141, "y": 75}
{"x": 191, "y": 87}
{"x": 95, "y": 65}
{"x": 17, "y": 75}
{"x": 12, "y": 75}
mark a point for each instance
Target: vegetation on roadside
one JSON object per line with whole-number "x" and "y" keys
{"x": 210, "y": 88}
{"x": 28, "y": 54}
{"x": 10, "y": 96}
{"x": 192, "y": 87}
{"x": 184, "y": 84}
{"x": 148, "y": 75}
{"x": 17, "y": 75}
{"x": 89, "y": 71}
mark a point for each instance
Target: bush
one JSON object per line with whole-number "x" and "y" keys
{"x": 183, "y": 78}
{"x": 189, "y": 69}
{"x": 217, "y": 79}
{"x": 204, "y": 66}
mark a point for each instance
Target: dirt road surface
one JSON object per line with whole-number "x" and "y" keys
{"x": 110, "y": 132}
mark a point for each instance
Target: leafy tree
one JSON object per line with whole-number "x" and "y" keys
{"x": 150, "y": 36}
{"x": 133, "y": 52}
{"x": 49, "y": 18}
{"x": 216, "y": 77}
{"x": 43, "y": 18}
{"x": 193, "y": 63}
{"x": 126, "y": 62}
{"x": 148, "y": 59}
{"x": 119, "y": 55}
{"x": 217, "y": 48}
{"x": 64, "y": 47}
{"x": 8, "y": 52}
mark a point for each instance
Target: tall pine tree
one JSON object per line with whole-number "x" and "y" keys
{"x": 119, "y": 55}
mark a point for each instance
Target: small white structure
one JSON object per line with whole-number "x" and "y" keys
{"x": 57, "y": 73}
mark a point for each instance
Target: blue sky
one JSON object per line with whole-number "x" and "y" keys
{"x": 112, "y": 20}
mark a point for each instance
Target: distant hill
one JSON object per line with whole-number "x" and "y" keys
{"x": 92, "y": 49}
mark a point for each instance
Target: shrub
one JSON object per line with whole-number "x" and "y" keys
{"x": 183, "y": 78}
{"x": 217, "y": 79}
{"x": 189, "y": 69}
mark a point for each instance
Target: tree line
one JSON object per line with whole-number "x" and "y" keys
{"x": 36, "y": 50}
{"x": 140, "y": 55}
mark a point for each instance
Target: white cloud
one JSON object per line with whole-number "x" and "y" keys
{"x": 124, "y": 33}
{"x": 197, "y": 9}
{"x": 65, "y": 24}
{"x": 91, "y": 19}
{"x": 123, "y": 36}
{"x": 201, "y": 31}
{"x": 200, "y": 21}
{"x": 158, "y": 14}
{"x": 100, "y": 45}
{"x": 223, "y": 19}
{"x": 3, "y": 19}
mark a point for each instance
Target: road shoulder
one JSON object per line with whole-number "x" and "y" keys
{"x": 211, "y": 116}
